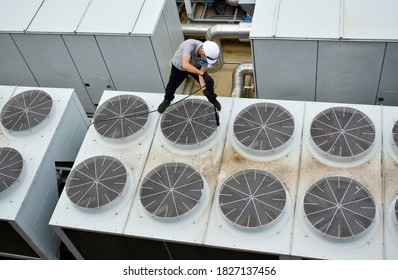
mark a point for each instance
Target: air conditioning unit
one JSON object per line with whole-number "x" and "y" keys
{"x": 173, "y": 201}
{"x": 253, "y": 206}
{"x": 338, "y": 211}
{"x": 94, "y": 206}
{"x": 40, "y": 126}
{"x": 390, "y": 177}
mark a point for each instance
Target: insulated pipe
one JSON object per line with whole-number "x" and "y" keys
{"x": 240, "y": 31}
{"x": 238, "y": 78}
{"x": 232, "y": 2}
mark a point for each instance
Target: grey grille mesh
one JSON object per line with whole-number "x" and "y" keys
{"x": 11, "y": 165}
{"x": 396, "y": 212}
{"x": 339, "y": 207}
{"x": 343, "y": 132}
{"x": 26, "y": 110}
{"x": 189, "y": 122}
{"x": 96, "y": 182}
{"x": 121, "y": 116}
{"x": 252, "y": 198}
{"x": 395, "y": 133}
{"x": 263, "y": 126}
{"x": 171, "y": 190}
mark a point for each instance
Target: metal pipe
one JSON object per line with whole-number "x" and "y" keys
{"x": 240, "y": 31}
{"x": 232, "y": 2}
{"x": 238, "y": 78}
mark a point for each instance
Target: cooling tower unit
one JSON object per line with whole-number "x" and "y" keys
{"x": 390, "y": 177}
{"x": 40, "y": 126}
{"x": 252, "y": 210}
{"x": 93, "y": 208}
{"x": 340, "y": 51}
{"x": 173, "y": 202}
{"x": 90, "y": 46}
{"x": 338, "y": 212}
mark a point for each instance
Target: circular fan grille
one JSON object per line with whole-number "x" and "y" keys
{"x": 396, "y": 212}
{"x": 171, "y": 190}
{"x": 339, "y": 207}
{"x": 395, "y": 136}
{"x": 96, "y": 182}
{"x": 26, "y": 110}
{"x": 252, "y": 198}
{"x": 264, "y": 127}
{"x": 121, "y": 117}
{"x": 11, "y": 164}
{"x": 189, "y": 122}
{"x": 343, "y": 132}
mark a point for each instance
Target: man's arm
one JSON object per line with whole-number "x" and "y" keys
{"x": 187, "y": 66}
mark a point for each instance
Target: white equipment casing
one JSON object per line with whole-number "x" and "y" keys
{"x": 275, "y": 237}
{"x": 315, "y": 165}
{"x": 204, "y": 158}
{"x": 132, "y": 153}
{"x": 29, "y": 203}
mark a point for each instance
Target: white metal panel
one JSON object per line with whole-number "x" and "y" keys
{"x": 285, "y": 69}
{"x": 368, "y": 19}
{"x": 308, "y": 19}
{"x": 388, "y": 88}
{"x": 15, "y": 15}
{"x": 349, "y": 72}
{"x": 264, "y": 17}
{"x": 58, "y": 16}
{"x": 131, "y": 63}
{"x": 51, "y": 64}
{"x": 173, "y": 24}
{"x": 92, "y": 68}
{"x": 13, "y": 68}
{"x": 149, "y": 17}
{"x": 110, "y": 17}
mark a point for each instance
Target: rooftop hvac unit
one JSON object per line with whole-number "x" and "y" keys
{"x": 177, "y": 187}
{"x": 76, "y": 44}
{"x": 339, "y": 199}
{"x": 93, "y": 208}
{"x": 390, "y": 177}
{"x": 40, "y": 126}
{"x": 253, "y": 206}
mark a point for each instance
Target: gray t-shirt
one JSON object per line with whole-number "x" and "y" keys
{"x": 188, "y": 48}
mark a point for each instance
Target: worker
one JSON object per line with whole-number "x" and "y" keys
{"x": 192, "y": 58}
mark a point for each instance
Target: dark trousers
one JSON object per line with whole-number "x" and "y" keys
{"x": 176, "y": 78}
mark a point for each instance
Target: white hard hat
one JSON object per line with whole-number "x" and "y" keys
{"x": 211, "y": 51}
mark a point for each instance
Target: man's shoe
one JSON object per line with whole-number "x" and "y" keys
{"x": 163, "y": 106}
{"x": 217, "y": 104}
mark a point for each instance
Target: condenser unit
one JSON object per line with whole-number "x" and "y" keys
{"x": 338, "y": 212}
{"x": 40, "y": 126}
{"x": 390, "y": 177}
{"x": 173, "y": 202}
{"x": 94, "y": 206}
{"x": 252, "y": 209}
